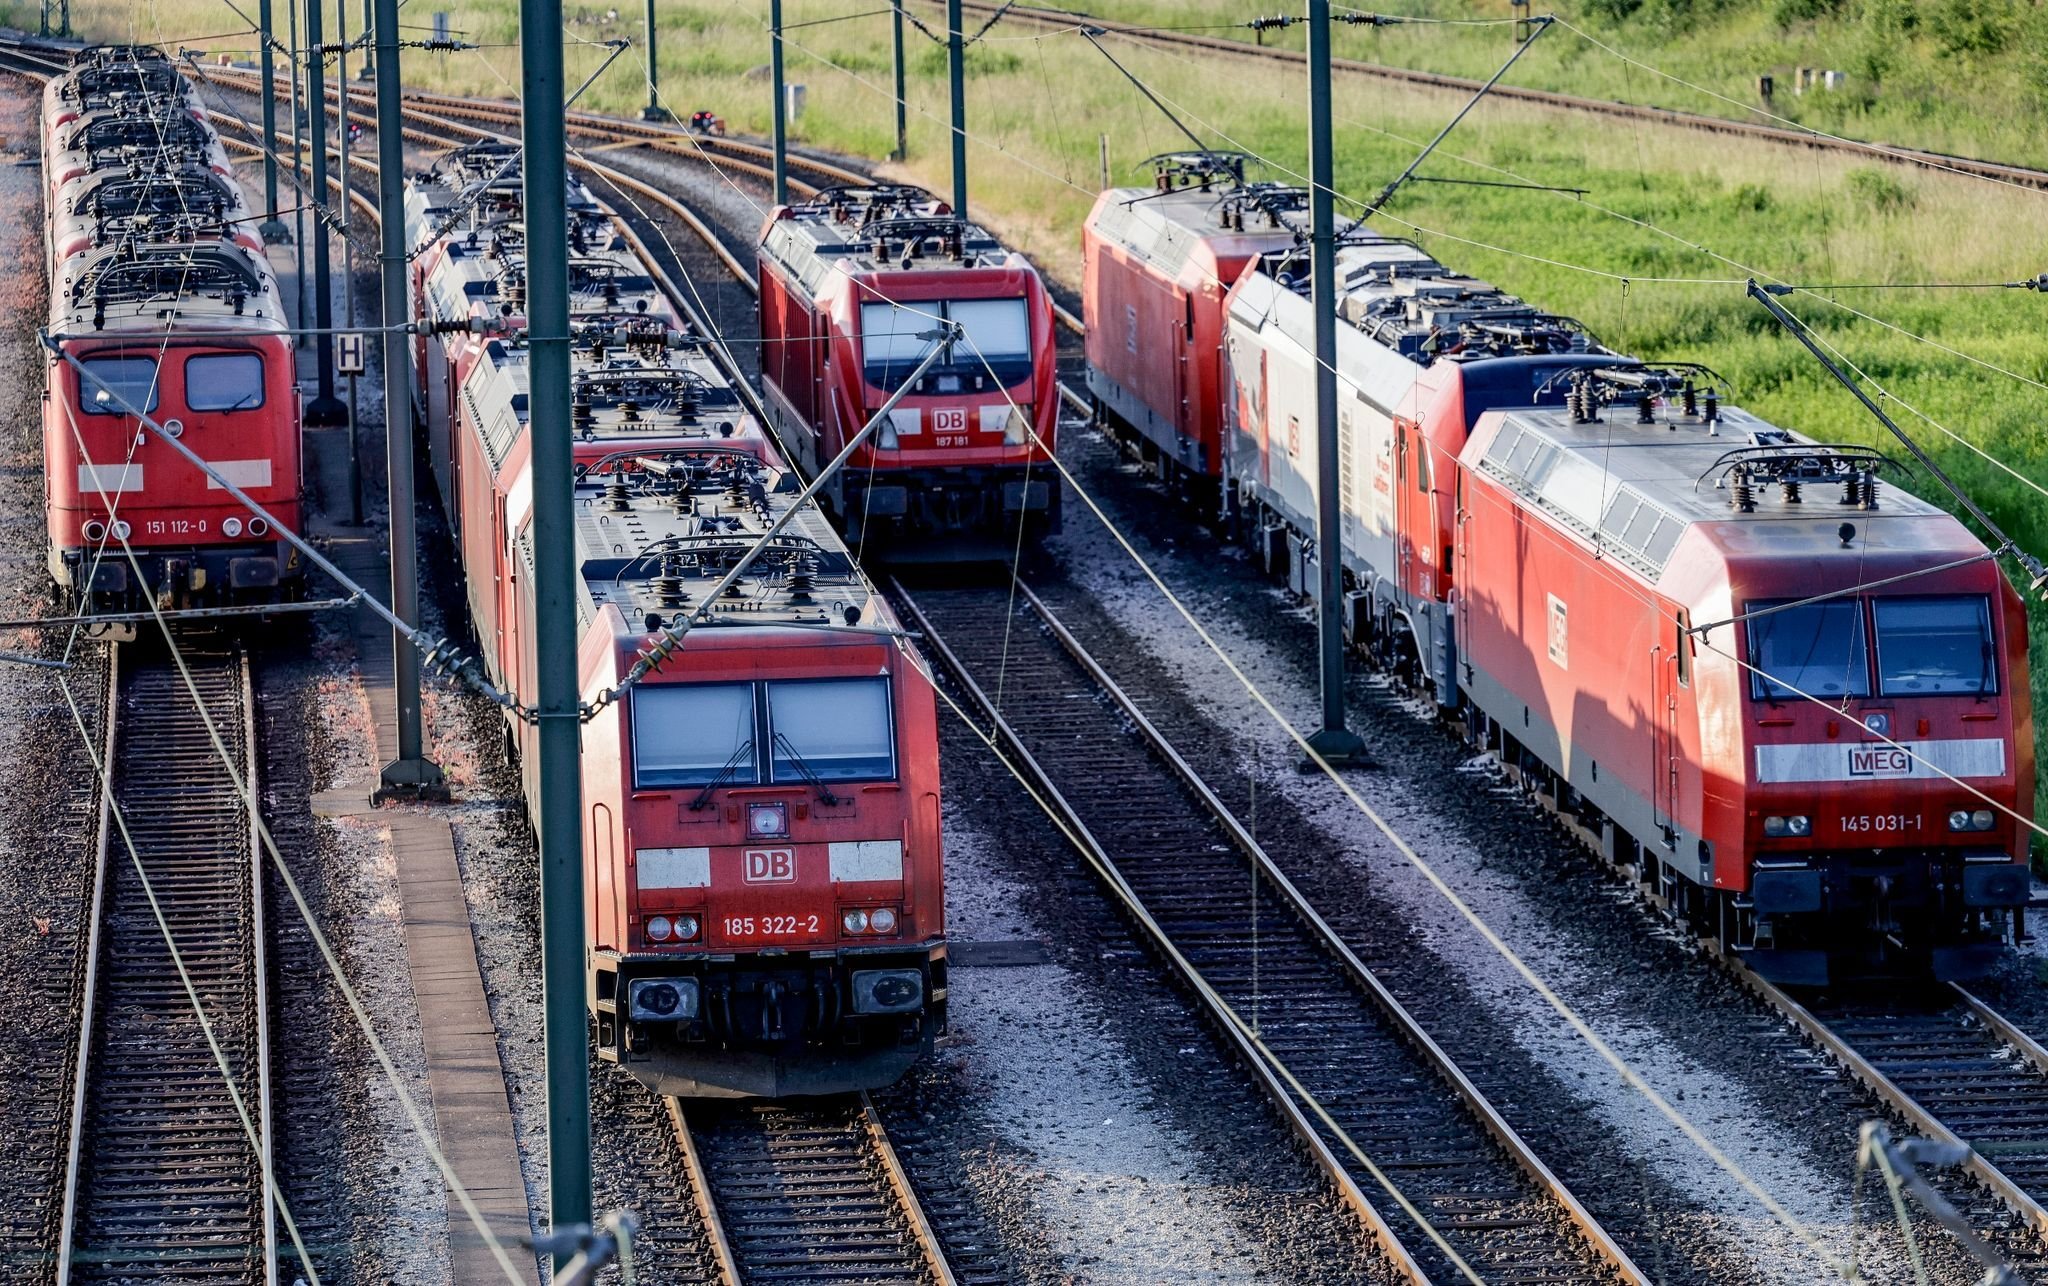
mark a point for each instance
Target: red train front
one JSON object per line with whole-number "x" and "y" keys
{"x": 852, "y": 284}
{"x": 761, "y": 812}
{"x": 1797, "y": 699}
{"x": 159, "y": 294}
{"x": 767, "y": 892}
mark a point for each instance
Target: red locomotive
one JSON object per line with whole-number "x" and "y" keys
{"x": 761, "y": 836}
{"x": 1803, "y": 780}
{"x": 1156, "y": 265}
{"x": 157, "y": 287}
{"x": 851, "y": 283}
{"x": 1828, "y": 774}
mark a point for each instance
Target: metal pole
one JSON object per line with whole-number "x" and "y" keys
{"x": 369, "y": 71}
{"x": 298, "y": 155}
{"x": 1332, "y": 741}
{"x": 348, "y": 266}
{"x": 266, "y": 65}
{"x": 411, "y": 773}
{"x": 956, "y": 73}
{"x": 546, "y": 176}
{"x": 325, "y": 410}
{"x": 654, "y": 110}
{"x": 781, "y": 93}
{"x": 896, "y": 61}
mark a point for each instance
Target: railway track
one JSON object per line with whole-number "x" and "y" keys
{"x": 1951, "y": 1071}
{"x": 2026, "y": 176}
{"x": 1189, "y": 871}
{"x": 806, "y": 1190}
{"x": 1955, "y": 1070}
{"x": 163, "y": 1179}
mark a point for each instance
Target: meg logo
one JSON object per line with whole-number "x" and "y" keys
{"x": 768, "y": 865}
{"x": 1879, "y": 761}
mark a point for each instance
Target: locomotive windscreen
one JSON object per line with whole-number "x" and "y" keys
{"x": 692, "y": 734}
{"x": 223, "y": 382}
{"x": 998, "y": 332}
{"x": 837, "y": 729}
{"x": 1935, "y": 646}
{"x": 1818, "y": 648}
{"x": 132, "y": 379}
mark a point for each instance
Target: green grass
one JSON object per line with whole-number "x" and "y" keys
{"x": 1039, "y": 104}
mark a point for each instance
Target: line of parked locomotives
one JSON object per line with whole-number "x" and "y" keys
{"x": 1667, "y": 608}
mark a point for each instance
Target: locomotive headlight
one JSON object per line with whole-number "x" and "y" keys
{"x": 121, "y": 530}
{"x": 231, "y": 527}
{"x": 1983, "y": 819}
{"x": 660, "y": 929}
{"x": 882, "y": 919}
{"x": 686, "y": 927}
{"x": 1017, "y": 426}
{"x": 1782, "y": 827}
{"x": 855, "y": 921}
{"x": 885, "y": 436}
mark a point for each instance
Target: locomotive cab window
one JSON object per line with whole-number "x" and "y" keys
{"x": 831, "y": 729}
{"x": 693, "y": 734}
{"x": 132, "y": 379}
{"x": 996, "y": 338}
{"x": 1819, "y": 649}
{"x": 224, "y": 382}
{"x": 892, "y": 341}
{"x": 1935, "y": 646}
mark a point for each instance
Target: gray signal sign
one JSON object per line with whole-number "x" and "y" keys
{"x": 349, "y": 348}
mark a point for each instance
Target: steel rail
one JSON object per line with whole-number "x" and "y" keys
{"x": 2008, "y": 1191}
{"x": 1322, "y": 936}
{"x": 1374, "y": 1223}
{"x": 88, "y": 1014}
{"x": 837, "y": 1167}
{"x": 144, "y": 1122}
{"x": 1843, "y": 1050}
{"x": 1361, "y": 974}
{"x": 2026, "y": 176}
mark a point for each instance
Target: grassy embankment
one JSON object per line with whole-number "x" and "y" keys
{"x": 1037, "y": 106}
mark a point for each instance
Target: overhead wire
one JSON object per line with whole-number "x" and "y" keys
{"x": 103, "y": 771}
{"x": 1663, "y": 1106}
{"x": 246, "y": 792}
{"x": 1316, "y": 1106}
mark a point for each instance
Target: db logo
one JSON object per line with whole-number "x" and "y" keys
{"x": 768, "y": 865}
{"x": 1879, "y": 761}
{"x": 951, "y": 419}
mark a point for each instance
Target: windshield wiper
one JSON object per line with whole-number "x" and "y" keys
{"x": 825, "y": 795}
{"x": 725, "y": 774}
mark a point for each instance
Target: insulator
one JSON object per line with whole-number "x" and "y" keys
{"x": 1692, "y": 399}
{"x": 1713, "y": 407}
{"x": 1744, "y": 495}
{"x": 1646, "y": 409}
{"x": 1870, "y": 491}
{"x": 629, "y": 410}
{"x": 1852, "y": 490}
{"x": 618, "y": 496}
{"x": 1790, "y": 490}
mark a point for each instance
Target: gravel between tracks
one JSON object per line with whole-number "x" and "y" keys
{"x": 46, "y": 794}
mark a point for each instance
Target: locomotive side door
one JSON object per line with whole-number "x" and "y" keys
{"x": 1668, "y": 671}
{"x": 1415, "y": 510}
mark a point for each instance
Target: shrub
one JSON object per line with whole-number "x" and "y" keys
{"x": 1879, "y": 191}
